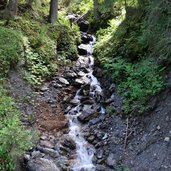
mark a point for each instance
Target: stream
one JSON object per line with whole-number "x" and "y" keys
{"x": 67, "y": 106}
{"x": 84, "y": 151}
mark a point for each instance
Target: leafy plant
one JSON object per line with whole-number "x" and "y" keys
{"x": 11, "y": 47}
{"x": 14, "y": 138}
{"x": 135, "y": 54}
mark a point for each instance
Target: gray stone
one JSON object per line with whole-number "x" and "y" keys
{"x": 70, "y": 143}
{"x": 46, "y": 143}
{"x": 63, "y": 81}
{"x": 110, "y": 160}
{"x": 42, "y": 164}
{"x": 49, "y": 151}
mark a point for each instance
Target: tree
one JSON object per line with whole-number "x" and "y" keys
{"x": 12, "y": 8}
{"x": 3, "y": 4}
{"x": 53, "y": 14}
{"x": 96, "y": 13}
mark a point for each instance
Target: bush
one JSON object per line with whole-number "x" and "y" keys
{"x": 11, "y": 47}
{"x": 14, "y": 139}
{"x": 134, "y": 51}
{"x": 136, "y": 82}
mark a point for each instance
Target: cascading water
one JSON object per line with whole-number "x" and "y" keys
{"x": 84, "y": 151}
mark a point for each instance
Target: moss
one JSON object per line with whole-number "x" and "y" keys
{"x": 66, "y": 44}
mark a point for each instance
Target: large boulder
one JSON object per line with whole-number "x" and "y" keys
{"x": 84, "y": 25}
{"x": 88, "y": 112}
{"x": 42, "y": 164}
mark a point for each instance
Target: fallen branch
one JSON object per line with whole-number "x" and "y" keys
{"x": 128, "y": 134}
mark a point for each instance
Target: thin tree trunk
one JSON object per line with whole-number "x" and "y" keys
{"x": 96, "y": 13}
{"x": 12, "y": 8}
{"x": 53, "y": 14}
{"x": 29, "y": 3}
{"x": 3, "y": 4}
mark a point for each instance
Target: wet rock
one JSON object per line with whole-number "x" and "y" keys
{"x": 91, "y": 138}
{"x": 70, "y": 143}
{"x": 82, "y": 80}
{"x": 81, "y": 73}
{"x": 99, "y": 153}
{"x": 86, "y": 38}
{"x": 84, "y": 25}
{"x": 85, "y": 116}
{"x": 46, "y": 143}
{"x": 84, "y": 49}
{"x": 56, "y": 85}
{"x": 89, "y": 111}
{"x": 49, "y": 151}
{"x": 42, "y": 164}
{"x": 101, "y": 168}
{"x": 87, "y": 101}
{"x": 63, "y": 81}
{"x": 71, "y": 74}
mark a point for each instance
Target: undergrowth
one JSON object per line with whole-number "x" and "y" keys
{"x": 134, "y": 51}
{"x": 41, "y": 48}
{"x": 10, "y": 49}
{"x": 14, "y": 138}
{"x": 46, "y": 46}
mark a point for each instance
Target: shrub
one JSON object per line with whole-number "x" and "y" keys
{"x": 134, "y": 51}
{"x": 14, "y": 139}
{"x": 11, "y": 47}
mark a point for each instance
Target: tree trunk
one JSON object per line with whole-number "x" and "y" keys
{"x": 12, "y": 8}
{"x": 96, "y": 13}
{"x": 3, "y": 4}
{"x": 29, "y": 3}
{"x": 53, "y": 14}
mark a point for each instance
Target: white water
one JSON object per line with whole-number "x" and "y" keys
{"x": 84, "y": 151}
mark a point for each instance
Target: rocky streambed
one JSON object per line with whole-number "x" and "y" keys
{"x": 77, "y": 133}
{"x": 68, "y": 106}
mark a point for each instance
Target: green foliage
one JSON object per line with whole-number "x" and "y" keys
{"x": 66, "y": 44}
{"x": 11, "y": 47}
{"x": 81, "y": 6}
{"x": 14, "y": 139}
{"x": 134, "y": 51}
{"x": 136, "y": 82}
{"x": 37, "y": 68}
{"x": 44, "y": 41}
{"x": 110, "y": 110}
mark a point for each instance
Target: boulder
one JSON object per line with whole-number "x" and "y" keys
{"x": 63, "y": 81}
{"x": 69, "y": 143}
{"x": 42, "y": 164}
{"x": 86, "y": 38}
{"x": 84, "y": 25}
{"x": 88, "y": 112}
{"x": 84, "y": 49}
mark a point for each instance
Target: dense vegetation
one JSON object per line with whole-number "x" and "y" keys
{"x": 30, "y": 41}
{"x": 134, "y": 51}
